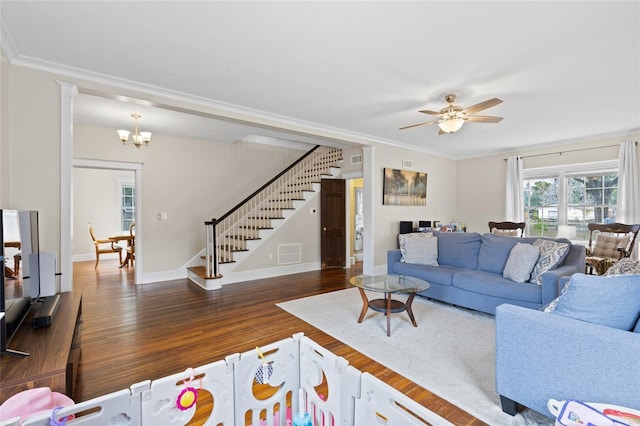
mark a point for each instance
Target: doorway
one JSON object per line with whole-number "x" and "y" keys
{"x": 112, "y": 176}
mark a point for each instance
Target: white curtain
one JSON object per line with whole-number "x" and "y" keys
{"x": 514, "y": 210}
{"x": 628, "y": 210}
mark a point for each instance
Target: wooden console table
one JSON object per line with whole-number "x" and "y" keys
{"x": 54, "y": 352}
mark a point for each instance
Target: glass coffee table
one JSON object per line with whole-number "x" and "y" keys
{"x": 388, "y": 284}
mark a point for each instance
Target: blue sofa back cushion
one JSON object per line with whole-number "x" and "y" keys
{"x": 459, "y": 249}
{"x": 495, "y": 251}
{"x": 610, "y": 301}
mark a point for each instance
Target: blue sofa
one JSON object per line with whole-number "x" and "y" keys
{"x": 470, "y": 272}
{"x": 541, "y": 356}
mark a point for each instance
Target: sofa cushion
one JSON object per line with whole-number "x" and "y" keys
{"x": 522, "y": 259}
{"x": 494, "y": 252}
{"x": 489, "y": 284}
{"x": 607, "y": 246}
{"x": 552, "y": 254}
{"x": 612, "y": 301}
{"x": 421, "y": 249}
{"x": 433, "y": 274}
{"x": 624, "y": 266}
{"x": 458, "y": 249}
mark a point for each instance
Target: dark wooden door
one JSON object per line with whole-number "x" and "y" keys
{"x": 333, "y": 223}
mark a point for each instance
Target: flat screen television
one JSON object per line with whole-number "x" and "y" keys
{"x": 20, "y": 242}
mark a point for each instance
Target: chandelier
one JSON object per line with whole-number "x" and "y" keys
{"x": 139, "y": 138}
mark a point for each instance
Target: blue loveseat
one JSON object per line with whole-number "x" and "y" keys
{"x": 470, "y": 271}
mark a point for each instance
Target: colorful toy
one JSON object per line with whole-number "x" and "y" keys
{"x": 264, "y": 372}
{"x": 301, "y": 418}
{"x": 189, "y": 395}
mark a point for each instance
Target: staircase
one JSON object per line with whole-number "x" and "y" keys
{"x": 240, "y": 230}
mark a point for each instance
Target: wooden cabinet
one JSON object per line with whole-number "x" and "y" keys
{"x": 54, "y": 352}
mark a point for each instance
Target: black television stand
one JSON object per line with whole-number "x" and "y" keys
{"x": 47, "y": 310}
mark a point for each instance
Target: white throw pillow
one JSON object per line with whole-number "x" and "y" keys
{"x": 551, "y": 254}
{"x": 522, "y": 258}
{"x": 404, "y": 237}
{"x": 422, "y": 251}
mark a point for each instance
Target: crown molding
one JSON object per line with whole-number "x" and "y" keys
{"x": 199, "y": 104}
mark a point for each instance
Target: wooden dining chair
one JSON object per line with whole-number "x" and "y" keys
{"x": 102, "y": 247}
{"x": 131, "y": 245}
{"x": 512, "y": 229}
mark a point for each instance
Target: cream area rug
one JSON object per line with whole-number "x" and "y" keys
{"x": 451, "y": 352}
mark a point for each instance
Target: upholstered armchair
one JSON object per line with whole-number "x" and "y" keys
{"x": 608, "y": 243}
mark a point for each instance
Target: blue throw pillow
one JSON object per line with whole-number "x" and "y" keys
{"x": 610, "y": 301}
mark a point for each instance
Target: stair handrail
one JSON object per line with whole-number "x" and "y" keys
{"x": 211, "y": 263}
{"x": 263, "y": 187}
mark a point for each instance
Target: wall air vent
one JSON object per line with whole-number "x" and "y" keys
{"x": 407, "y": 164}
{"x": 289, "y": 254}
{"x": 356, "y": 159}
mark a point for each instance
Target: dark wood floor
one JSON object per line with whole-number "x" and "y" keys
{"x": 133, "y": 332}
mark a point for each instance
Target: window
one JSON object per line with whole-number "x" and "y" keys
{"x": 574, "y": 196}
{"x": 127, "y": 203}
{"x": 591, "y": 199}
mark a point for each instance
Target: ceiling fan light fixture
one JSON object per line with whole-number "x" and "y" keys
{"x": 451, "y": 125}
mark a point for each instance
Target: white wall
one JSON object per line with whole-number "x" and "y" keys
{"x": 31, "y": 143}
{"x": 441, "y": 198}
{"x": 191, "y": 180}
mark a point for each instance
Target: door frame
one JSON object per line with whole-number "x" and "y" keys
{"x": 83, "y": 163}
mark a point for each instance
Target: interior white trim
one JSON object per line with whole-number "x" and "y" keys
{"x": 67, "y": 92}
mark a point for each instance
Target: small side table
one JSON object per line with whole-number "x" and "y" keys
{"x": 388, "y": 284}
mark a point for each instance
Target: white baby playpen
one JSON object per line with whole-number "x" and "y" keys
{"x": 333, "y": 393}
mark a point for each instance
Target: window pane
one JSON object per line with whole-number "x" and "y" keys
{"x": 611, "y": 196}
{"x": 594, "y": 181}
{"x": 611, "y": 181}
{"x": 128, "y": 207}
{"x": 594, "y": 197}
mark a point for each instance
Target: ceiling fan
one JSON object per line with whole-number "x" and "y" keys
{"x": 452, "y": 117}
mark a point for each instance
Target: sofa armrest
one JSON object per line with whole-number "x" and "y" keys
{"x": 551, "y": 282}
{"x": 542, "y": 355}
{"x": 393, "y": 256}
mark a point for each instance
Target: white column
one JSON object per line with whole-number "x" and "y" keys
{"x": 67, "y": 92}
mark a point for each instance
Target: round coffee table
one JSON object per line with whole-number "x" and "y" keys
{"x": 388, "y": 284}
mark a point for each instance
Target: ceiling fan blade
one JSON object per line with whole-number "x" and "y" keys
{"x": 426, "y": 111}
{"x": 483, "y": 119}
{"x": 482, "y": 105}
{"x": 419, "y": 124}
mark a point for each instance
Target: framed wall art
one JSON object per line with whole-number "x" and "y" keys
{"x": 404, "y": 188}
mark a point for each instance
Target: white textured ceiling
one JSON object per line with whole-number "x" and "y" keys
{"x": 566, "y": 71}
